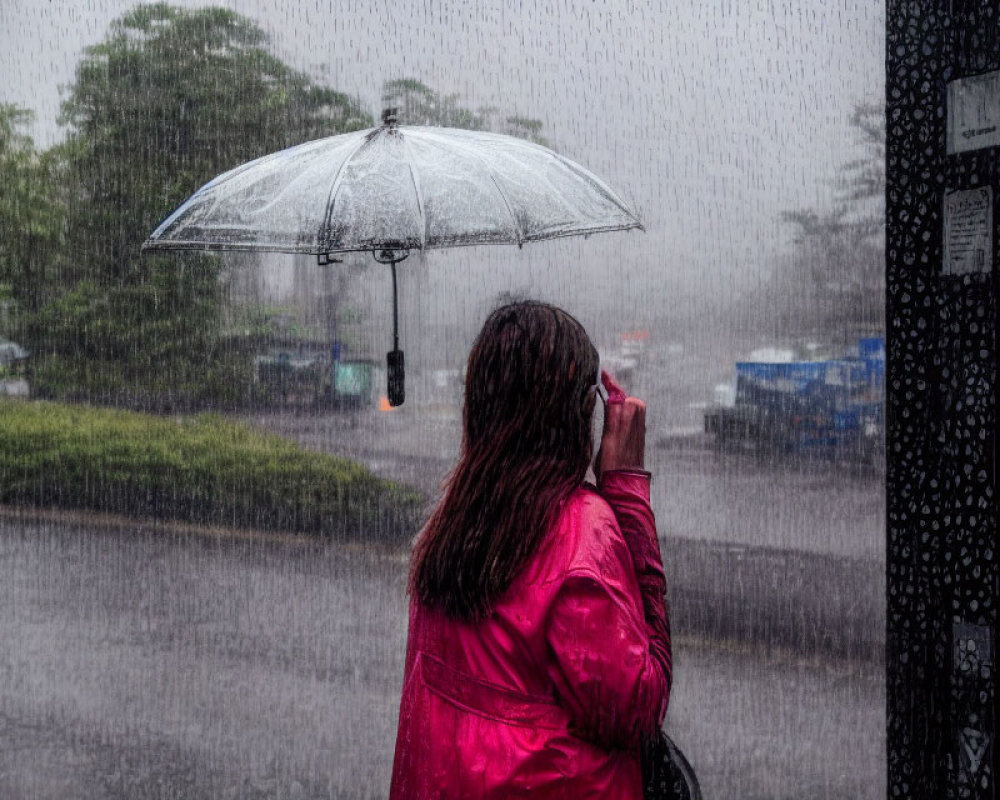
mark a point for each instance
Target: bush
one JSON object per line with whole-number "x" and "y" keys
{"x": 202, "y": 469}
{"x": 152, "y": 346}
{"x": 223, "y": 382}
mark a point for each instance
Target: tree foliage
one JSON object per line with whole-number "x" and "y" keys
{"x": 171, "y": 98}
{"x": 31, "y": 213}
{"x": 168, "y": 100}
{"x": 836, "y": 276}
{"x": 418, "y": 104}
{"x": 863, "y": 178}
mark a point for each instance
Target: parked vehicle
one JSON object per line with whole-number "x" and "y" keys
{"x": 11, "y": 353}
{"x": 830, "y": 407}
{"x": 304, "y": 377}
{"x": 352, "y": 383}
{"x": 13, "y": 358}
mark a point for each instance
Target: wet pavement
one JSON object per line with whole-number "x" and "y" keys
{"x": 783, "y": 551}
{"x": 155, "y": 661}
{"x": 698, "y": 493}
{"x": 149, "y": 661}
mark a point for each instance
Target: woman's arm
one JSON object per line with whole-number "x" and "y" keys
{"x": 611, "y": 666}
{"x": 627, "y": 491}
{"x": 621, "y": 692}
{"x": 624, "y": 483}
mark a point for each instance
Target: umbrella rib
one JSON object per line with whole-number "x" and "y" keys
{"x": 517, "y": 228}
{"x": 411, "y": 164}
{"x": 335, "y": 187}
{"x": 585, "y": 174}
{"x": 518, "y": 233}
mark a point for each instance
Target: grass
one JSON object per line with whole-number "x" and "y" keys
{"x": 202, "y": 469}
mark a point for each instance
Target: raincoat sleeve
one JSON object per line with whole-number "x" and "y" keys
{"x": 608, "y": 627}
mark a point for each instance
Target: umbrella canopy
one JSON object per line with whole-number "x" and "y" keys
{"x": 405, "y": 187}
{"x": 392, "y": 189}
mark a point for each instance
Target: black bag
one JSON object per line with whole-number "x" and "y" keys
{"x": 666, "y": 774}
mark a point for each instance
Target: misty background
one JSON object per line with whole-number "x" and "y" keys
{"x": 152, "y": 656}
{"x": 710, "y": 119}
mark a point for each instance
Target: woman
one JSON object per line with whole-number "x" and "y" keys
{"x": 539, "y": 647}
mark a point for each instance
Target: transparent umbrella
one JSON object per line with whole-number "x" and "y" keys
{"x": 390, "y": 190}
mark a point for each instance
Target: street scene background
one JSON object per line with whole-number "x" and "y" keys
{"x": 193, "y": 610}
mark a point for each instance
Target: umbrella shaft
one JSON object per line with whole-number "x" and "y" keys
{"x": 395, "y": 311}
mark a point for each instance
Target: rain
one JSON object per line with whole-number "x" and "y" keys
{"x": 207, "y": 499}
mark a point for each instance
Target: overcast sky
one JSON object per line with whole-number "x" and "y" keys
{"x": 710, "y": 117}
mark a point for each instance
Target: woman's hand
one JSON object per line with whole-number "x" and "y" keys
{"x": 623, "y": 442}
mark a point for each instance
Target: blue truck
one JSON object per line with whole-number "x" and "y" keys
{"x": 831, "y": 408}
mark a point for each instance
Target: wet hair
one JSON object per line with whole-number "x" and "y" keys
{"x": 526, "y": 446}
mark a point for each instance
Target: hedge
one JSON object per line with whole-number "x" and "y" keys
{"x": 202, "y": 469}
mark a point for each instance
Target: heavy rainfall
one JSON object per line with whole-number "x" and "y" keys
{"x": 207, "y": 501}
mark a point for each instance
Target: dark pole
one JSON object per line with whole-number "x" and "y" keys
{"x": 942, "y": 546}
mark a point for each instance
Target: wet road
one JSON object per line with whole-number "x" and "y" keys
{"x": 697, "y": 492}
{"x": 791, "y": 553}
{"x": 150, "y": 662}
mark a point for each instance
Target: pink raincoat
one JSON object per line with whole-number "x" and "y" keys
{"x": 547, "y": 697}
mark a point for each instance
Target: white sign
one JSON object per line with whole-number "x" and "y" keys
{"x": 974, "y": 112}
{"x": 968, "y": 231}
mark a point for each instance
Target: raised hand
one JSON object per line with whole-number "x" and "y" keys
{"x": 623, "y": 442}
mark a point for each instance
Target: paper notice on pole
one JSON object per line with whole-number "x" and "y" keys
{"x": 974, "y": 112}
{"x": 968, "y": 231}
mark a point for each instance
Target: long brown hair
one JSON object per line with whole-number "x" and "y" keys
{"x": 526, "y": 445}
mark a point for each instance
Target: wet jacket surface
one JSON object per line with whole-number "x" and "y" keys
{"x": 549, "y": 695}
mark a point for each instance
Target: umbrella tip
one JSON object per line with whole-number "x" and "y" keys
{"x": 389, "y": 116}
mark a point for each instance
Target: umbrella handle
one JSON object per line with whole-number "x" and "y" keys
{"x": 396, "y": 390}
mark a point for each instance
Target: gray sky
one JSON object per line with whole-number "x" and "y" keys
{"x": 710, "y": 117}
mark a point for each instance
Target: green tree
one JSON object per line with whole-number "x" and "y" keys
{"x": 419, "y": 104}
{"x": 171, "y": 98}
{"x": 836, "y": 276}
{"x": 31, "y": 214}
{"x": 863, "y": 179}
